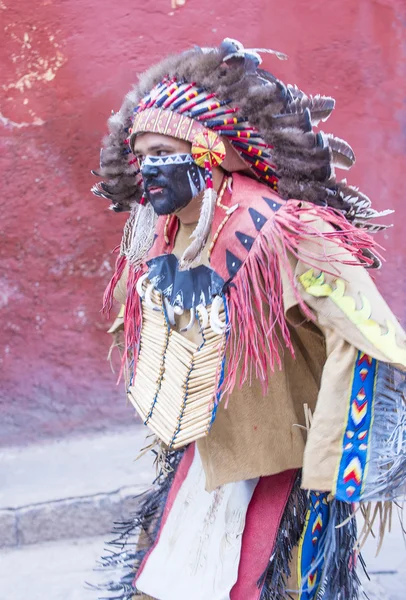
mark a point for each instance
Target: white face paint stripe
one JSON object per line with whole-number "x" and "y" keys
{"x": 193, "y": 187}
{"x": 171, "y": 159}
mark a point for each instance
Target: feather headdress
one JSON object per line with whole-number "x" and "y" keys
{"x": 238, "y": 116}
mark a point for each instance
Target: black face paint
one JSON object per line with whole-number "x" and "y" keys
{"x": 170, "y": 182}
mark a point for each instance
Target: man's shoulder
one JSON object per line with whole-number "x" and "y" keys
{"x": 236, "y": 226}
{"x": 250, "y": 193}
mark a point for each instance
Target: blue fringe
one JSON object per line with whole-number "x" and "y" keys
{"x": 386, "y": 475}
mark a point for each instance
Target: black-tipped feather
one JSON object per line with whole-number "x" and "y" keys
{"x": 343, "y": 154}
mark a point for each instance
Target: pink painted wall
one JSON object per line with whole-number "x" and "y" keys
{"x": 64, "y": 66}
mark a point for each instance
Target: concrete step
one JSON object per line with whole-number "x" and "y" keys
{"x": 52, "y": 570}
{"x": 71, "y": 488}
{"x": 60, "y": 571}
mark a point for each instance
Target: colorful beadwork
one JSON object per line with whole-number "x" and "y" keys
{"x": 208, "y": 148}
{"x": 309, "y": 568}
{"x": 228, "y": 210}
{"x": 352, "y": 469}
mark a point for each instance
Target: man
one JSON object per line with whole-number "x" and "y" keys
{"x": 257, "y": 348}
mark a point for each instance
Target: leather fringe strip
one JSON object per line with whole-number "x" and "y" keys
{"x": 273, "y": 580}
{"x": 135, "y": 537}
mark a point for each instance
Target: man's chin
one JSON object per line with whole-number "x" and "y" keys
{"x": 162, "y": 211}
{"x": 162, "y": 208}
{"x": 165, "y": 206}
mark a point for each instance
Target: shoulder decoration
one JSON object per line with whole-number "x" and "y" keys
{"x": 384, "y": 341}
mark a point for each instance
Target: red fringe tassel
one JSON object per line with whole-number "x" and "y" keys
{"x": 132, "y": 324}
{"x": 109, "y": 291}
{"x": 258, "y": 332}
{"x": 132, "y": 313}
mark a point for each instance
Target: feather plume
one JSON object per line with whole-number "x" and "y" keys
{"x": 143, "y": 223}
{"x": 320, "y": 107}
{"x": 202, "y": 231}
{"x": 300, "y": 120}
{"x": 343, "y": 154}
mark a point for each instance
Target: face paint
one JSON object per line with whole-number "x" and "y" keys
{"x": 170, "y": 182}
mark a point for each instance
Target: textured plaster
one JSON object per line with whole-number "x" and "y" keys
{"x": 65, "y": 66}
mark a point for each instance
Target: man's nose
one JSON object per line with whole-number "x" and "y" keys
{"x": 149, "y": 171}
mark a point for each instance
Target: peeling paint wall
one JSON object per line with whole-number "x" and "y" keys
{"x": 64, "y": 67}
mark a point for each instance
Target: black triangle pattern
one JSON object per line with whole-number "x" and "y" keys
{"x": 246, "y": 240}
{"x": 258, "y": 219}
{"x": 272, "y": 204}
{"x": 233, "y": 263}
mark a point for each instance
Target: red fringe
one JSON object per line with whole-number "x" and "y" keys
{"x": 132, "y": 323}
{"x": 109, "y": 291}
{"x": 258, "y": 337}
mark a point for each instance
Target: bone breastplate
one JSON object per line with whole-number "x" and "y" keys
{"x": 176, "y": 381}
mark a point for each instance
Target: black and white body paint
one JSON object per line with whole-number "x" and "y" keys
{"x": 170, "y": 182}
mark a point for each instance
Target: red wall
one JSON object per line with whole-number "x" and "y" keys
{"x": 65, "y": 65}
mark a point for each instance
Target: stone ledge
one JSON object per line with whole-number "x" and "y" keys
{"x": 8, "y": 529}
{"x": 80, "y": 517}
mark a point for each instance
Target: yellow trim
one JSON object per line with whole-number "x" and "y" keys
{"x": 371, "y": 330}
{"x": 178, "y": 127}
{"x": 187, "y": 137}
{"x": 168, "y": 122}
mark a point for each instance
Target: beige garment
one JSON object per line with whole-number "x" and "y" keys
{"x": 358, "y": 286}
{"x": 343, "y": 340}
{"x": 260, "y": 435}
{"x": 324, "y": 440}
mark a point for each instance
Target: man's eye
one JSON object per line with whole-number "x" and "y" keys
{"x": 162, "y": 153}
